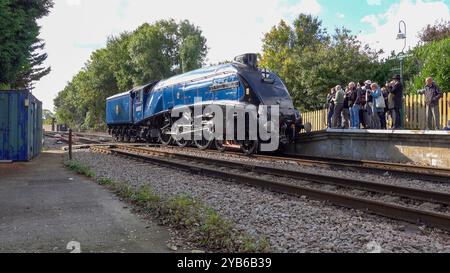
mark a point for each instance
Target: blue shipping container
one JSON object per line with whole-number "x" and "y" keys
{"x": 20, "y": 126}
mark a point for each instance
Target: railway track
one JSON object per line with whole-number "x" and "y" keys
{"x": 434, "y": 174}
{"x": 280, "y": 181}
{"x": 78, "y": 138}
{"x": 426, "y": 173}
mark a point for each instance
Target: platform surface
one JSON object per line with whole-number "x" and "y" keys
{"x": 44, "y": 206}
{"x": 431, "y": 148}
{"x": 389, "y": 132}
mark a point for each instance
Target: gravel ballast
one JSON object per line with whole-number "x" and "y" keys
{"x": 291, "y": 224}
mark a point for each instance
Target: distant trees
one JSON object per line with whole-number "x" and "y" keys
{"x": 21, "y": 51}
{"x": 151, "y": 52}
{"x": 47, "y": 117}
{"x": 436, "y": 32}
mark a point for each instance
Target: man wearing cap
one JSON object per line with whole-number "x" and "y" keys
{"x": 432, "y": 96}
{"x": 397, "y": 91}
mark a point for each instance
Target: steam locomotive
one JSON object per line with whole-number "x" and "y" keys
{"x": 145, "y": 113}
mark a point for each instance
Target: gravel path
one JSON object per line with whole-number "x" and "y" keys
{"x": 291, "y": 224}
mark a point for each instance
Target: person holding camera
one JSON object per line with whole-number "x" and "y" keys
{"x": 396, "y": 90}
{"x": 330, "y": 106}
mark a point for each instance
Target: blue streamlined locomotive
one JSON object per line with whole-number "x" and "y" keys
{"x": 144, "y": 113}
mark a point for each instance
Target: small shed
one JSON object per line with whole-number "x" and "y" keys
{"x": 20, "y": 125}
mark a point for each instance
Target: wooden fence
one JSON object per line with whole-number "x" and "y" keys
{"x": 414, "y": 116}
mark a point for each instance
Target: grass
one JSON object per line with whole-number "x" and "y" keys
{"x": 105, "y": 181}
{"x": 145, "y": 196}
{"x": 80, "y": 168}
{"x": 207, "y": 227}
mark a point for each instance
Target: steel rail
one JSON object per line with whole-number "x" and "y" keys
{"x": 433, "y": 174}
{"x": 408, "y": 192}
{"x": 394, "y": 211}
{"x": 429, "y": 173}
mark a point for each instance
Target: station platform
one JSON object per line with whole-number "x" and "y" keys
{"x": 430, "y": 148}
{"x": 45, "y": 207}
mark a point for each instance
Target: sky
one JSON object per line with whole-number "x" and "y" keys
{"x": 76, "y": 28}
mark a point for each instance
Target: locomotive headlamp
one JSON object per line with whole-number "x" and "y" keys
{"x": 247, "y": 91}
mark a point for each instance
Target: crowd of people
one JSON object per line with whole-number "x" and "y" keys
{"x": 369, "y": 105}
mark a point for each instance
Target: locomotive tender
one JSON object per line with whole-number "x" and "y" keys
{"x": 144, "y": 113}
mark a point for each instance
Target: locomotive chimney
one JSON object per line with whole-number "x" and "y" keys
{"x": 249, "y": 59}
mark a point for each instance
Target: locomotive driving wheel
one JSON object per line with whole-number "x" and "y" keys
{"x": 127, "y": 138}
{"x": 180, "y": 140}
{"x": 165, "y": 137}
{"x": 203, "y": 144}
{"x": 121, "y": 137}
{"x": 205, "y": 138}
{"x": 116, "y": 137}
{"x": 249, "y": 146}
{"x": 220, "y": 145}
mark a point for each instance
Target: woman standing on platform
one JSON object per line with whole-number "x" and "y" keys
{"x": 378, "y": 105}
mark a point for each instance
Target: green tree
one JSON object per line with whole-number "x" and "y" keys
{"x": 310, "y": 61}
{"x": 21, "y": 55}
{"x": 47, "y": 116}
{"x": 150, "y": 53}
{"x": 436, "y": 32}
{"x": 70, "y": 104}
{"x": 430, "y": 60}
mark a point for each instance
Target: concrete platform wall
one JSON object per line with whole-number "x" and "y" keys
{"x": 404, "y": 146}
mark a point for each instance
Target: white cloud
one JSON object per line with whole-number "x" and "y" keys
{"x": 416, "y": 14}
{"x": 340, "y": 15}
{"x": 373, "y": 2}
{"x": 75, "y": 28}
{"x": 73, "y": 2}
{"x": 306, "y": 6}
{"x": 372, "y": 20}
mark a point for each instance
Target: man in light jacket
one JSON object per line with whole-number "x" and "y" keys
{"x": 338, "y": 106}
{"x": 432, "y": 96}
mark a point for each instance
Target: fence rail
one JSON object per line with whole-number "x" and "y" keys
{"x": 414, "y": 116}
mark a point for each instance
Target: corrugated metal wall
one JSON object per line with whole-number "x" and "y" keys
{"x": 20, "y": 125}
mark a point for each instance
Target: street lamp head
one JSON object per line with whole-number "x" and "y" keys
{"x": 401, "y": 36}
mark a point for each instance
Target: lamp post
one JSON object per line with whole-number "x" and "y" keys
{"x": 401, "y": 56}
{"x": 401, "y": 36}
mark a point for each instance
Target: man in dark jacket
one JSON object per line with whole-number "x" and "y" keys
{"x": 359, "y": 104}
{"x": 397, "y": 93}
{"x": 330, "y": 106}
{"x": 432, "y": 96}
{"x": 346, "y": 109}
